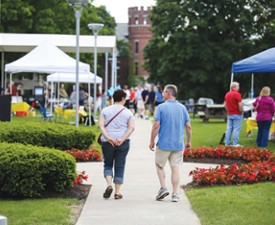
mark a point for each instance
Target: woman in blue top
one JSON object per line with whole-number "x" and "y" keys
{"x": 159, "y": 97}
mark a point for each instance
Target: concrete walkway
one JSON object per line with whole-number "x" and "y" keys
{"x": 138, "y": 206}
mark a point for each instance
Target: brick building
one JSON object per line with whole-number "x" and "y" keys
{"x": 138, "y": 34}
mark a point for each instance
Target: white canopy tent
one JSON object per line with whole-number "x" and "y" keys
{"x": 46, "y": 58}
{"x": 70, "y": 78}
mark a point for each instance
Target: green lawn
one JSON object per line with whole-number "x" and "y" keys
{"x": 241, "y": 205}
{"x": 231, "y": 205}
{"x": 209, "y": 134}
{"x": 33, "y": 212}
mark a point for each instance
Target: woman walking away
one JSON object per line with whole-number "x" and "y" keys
{"x": 264, "y": 105}
{"x": 116, "y": 123}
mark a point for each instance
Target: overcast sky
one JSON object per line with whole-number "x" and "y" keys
{"x": 119, "y": 8}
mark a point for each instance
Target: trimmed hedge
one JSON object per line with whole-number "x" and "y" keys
{"x": 58, "y": 136}
{"x": 28, "y": 171}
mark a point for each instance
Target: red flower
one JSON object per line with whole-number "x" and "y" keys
{"x": 85, "y": 155}
{"x": 261, "y": 166}
{"x": 80, "y": 177}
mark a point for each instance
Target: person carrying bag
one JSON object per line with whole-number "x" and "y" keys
{"x": 99, "y": 137}
{"x": 115, "y": 142}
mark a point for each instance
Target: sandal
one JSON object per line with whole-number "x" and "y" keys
{"x": 108, "y": 192}
{"x": 118, "y": 196}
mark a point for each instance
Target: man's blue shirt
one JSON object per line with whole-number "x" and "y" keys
{"x": 173, "y": 117}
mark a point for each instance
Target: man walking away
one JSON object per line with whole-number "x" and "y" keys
{"x": 171, "y": 118}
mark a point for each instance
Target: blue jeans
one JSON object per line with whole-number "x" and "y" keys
{"x": 115, "y": 158}
{"x": 234, "y": 125}
{"x": 263, "y": 133}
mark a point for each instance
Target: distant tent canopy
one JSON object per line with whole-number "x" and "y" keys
{"x": 263, "y": 62}
{"x": 71, "y": 77}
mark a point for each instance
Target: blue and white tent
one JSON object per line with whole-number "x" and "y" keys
{"x": 263, "y": 62}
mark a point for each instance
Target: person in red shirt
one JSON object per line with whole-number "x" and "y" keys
{"x": 11, "y": 90}
{"x": 234, "y": 107}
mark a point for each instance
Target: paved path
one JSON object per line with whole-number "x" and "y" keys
{"x": 138, "y": 206}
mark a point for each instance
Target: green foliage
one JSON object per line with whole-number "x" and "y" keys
{"x": 27, "y": 171}
{"x": 196, "y": 42}
{"x": 58, "y": 136}
{"x": 124, "y": 49}
{"x": 132, "y": 80}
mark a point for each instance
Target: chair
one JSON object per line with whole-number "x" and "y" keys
{"x": 44, "y": 114}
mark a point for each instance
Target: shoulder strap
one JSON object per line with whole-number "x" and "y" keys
{"x": 114, "y": 117}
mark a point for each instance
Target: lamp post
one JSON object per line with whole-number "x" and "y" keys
{"x": 95, "y": 27}
{"x": 77, "y": 5}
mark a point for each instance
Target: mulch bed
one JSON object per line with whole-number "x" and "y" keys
{"x": 80, "y": 192}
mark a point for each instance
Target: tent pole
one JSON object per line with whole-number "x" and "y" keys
{"x": 113, "y": 69}
{"x": 115, "y": 65}
{"x": 5, "y": 83}
{"x": 106, "y": 71}
{"x": 89, "y": 105}
{"x": 2, "y": 72}
{"x": 252, "y": 85}
{"x": 51, "y": 97}
{"x": 11, "y": 88}
{"x": 232, "y": 75}
{"x": 113, "y": 72}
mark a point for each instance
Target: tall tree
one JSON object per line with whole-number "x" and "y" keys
{"x": 195, "y": 42}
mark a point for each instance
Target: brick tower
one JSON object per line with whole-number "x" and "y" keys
{"x": 139, "y": 34}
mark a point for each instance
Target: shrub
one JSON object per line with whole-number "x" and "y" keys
{"x": 58, "y": 136}
{"x": 28, "y": 171}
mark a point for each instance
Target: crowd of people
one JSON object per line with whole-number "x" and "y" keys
{"x": 143, "y": 100}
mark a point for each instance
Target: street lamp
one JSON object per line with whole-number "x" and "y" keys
{"x": 77, "y": 5}
{"x": 95, "y": 27}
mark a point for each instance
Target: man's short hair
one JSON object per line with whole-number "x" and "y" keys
{"x": 172, "y": 89}
{"x": 234, "y": 85}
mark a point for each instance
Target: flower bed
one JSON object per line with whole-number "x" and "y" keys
{"x": 85, "y": 155}
{"x": 260, "y": 166}
{"x": 241, "y": 153}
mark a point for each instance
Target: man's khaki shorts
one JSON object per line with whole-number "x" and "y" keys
{"x": 175, "y": 158}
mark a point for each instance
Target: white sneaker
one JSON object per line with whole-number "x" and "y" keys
{"x": 237, "y": 146}
{"x": 163, "y": 192}
{"x": 175, "y": 197}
